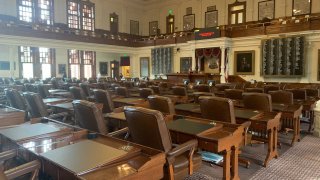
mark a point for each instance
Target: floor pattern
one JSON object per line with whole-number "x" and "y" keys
{"x": 300, "y": 162}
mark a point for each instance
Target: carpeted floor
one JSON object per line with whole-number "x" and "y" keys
{"x": 302, "y": 161}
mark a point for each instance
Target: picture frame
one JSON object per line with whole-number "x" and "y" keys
{"x": 62, "y": 68}
{"x": 4, "y": 65}
{"x": 185, "y": 64}
{"x": 144, "y": 67}
{"x": 153, "y": 28}
{"x": 134, "y": 27}
{"x": 266, "y": 9}
{"x": 244, "y": 62}
{"x": 103, "y": 67}
{"x": 211, "y": 19}
{"x": 301, "y": 7}
{"x": 188, "y": 22}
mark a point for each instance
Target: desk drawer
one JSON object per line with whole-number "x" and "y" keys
{"x": 208, "y": 146}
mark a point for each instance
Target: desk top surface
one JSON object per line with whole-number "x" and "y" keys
{"x": 84, "y": 156}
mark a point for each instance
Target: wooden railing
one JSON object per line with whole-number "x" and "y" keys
{"x": 11, "y": 26}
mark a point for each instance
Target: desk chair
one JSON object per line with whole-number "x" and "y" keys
{"x": 15, "y": 99}
{"x": 85, "y": 88}
{"x": 148, "y": 127}
{"x": 18, "y": 172}
{"x": 257, "y": 101}
{"x": 122, "y": 91}
{"x": 313, "y": 92}
{"x": 235, "y": 94}
{"x": 281, "y": 97}
{"x": 104, "y": 97}
{"x": 38, "y": 109}
{"x": 268, "y": 88}
{"x": 202, "y": 88}
{"x": 255, "y": 90}
{"x": 298, "y": 94}
{"x": 155, "y": 89}
{"x": 162, "y": 104}
{"x": 145, "y": 92}
{"x": 222, "y": 109}
{"x": 180, "y": 94}
{"x": 77, "y": 93}
{"x": 43, "y": 91}
{"x": 89, "y": 116}
{"x": 142, "y": 85}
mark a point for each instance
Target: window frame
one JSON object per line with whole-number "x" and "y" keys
{"x": 35, "y": 61}
{"x": 36, "y": 12}
{"x": 80, "y": 9}
{"x": 244, "y": 11}
{"x": 81, "y": 63}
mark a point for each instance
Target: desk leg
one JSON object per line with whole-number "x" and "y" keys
{"x": 272, "y": 145}
{"x": 226, "y": 165}
{"x": 296, "y": 130}
{"x": 311, "y": 120}
{"x": 235, "y": 163}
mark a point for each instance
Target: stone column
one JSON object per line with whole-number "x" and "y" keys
{"x": 222, "y": 65}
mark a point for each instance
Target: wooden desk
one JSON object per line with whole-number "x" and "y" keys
{"x": 138, "y": 163}
{"x": 53, "y": 101}
{"x": 264, "y": 126}
{"x": 133, "y": 101}
{"x": 290, "y": 118}
{"x": 67, "y": 106}
{"x": 308, "y": 108}
{"x": 10, "y": 116}
{"x": 222, "y": 138}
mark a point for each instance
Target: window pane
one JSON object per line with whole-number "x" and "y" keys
{"x": 45, "y": 8}
{"x": 237, "y": 8}
{"x": 87, "y": 71}
{"x": 240, "y": 18}
{"x": 27, "y": 70}
{"x": 25, "y": 10}
{"x": 75, "y": 71}
{"x": 233, "y": 18}
{"x": 74, "y": 56}
{"x": 73, "y": 15}
{"x": 44, "y": 55}
{"x": 46, "y": 71}
{"x": 25, "y": 54}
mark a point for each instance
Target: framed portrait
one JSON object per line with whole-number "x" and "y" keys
{"x": 144, "y": 67}
{"x": 185, "y": 64}
{"x": 153, "y": 28}
{"x": 211, "y": 18}
{"x": 188, "y": 22}
{"x": 244, "y": 62}
{"x": 266, "y": 9}
{"x": 103, "y": 68}
{"x": 61, "y": 68}
{"x": 301, "y": 7}
{"x": 134, "y": 27}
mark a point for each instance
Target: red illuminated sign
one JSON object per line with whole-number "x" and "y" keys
{"x": 206, "y": 34}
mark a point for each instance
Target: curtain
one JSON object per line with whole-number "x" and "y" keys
{"x": 162, "y": 60}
